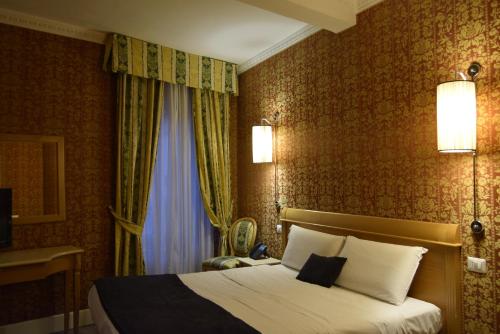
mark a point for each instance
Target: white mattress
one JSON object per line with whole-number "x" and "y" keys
{"x": 271, "y": 300}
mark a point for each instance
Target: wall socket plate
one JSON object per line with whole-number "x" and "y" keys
{"x": 279, "y": 228}
{"x": 476, "y": 264}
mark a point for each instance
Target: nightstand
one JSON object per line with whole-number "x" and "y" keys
{"x": 248, "y": 262}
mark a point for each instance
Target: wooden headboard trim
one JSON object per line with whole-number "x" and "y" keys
{"x": 376, "y": 234}
{"x": 448, "y": 233}
{"x": 438, "y": 279}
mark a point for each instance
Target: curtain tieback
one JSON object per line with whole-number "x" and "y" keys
{"x": 126, "y": 224}
{"x": 223, "y": 228}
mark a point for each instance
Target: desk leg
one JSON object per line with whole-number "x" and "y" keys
{"x": 67, "y": 294}
{"x": 76, "y": 295}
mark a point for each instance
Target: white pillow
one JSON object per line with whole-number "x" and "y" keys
{"x": 303, "y": 242}
{"x": 381, "y": 270}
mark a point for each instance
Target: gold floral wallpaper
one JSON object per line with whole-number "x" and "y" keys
{"x": 16, "y": 161}
{"x": 358, "y": 129}
{"x": 54, "y": 85}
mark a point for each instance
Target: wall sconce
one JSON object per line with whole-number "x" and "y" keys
{"x": 264, "y": 144}
{"x": 456, "y": 124}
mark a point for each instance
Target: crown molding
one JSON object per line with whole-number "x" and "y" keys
{"x": 278, "y": 47}
{"x": 365, "y": 4}
{"x": 294, "y": 38}
{"x": 50, "y": 26}
{"x": 73, "y": 31}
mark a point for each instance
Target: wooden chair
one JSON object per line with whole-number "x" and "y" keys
{"x": 241, "y": 239}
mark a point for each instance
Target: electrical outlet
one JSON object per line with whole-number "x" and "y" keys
{"x": 279, "y": 228}
{"x": 476, "y": 264}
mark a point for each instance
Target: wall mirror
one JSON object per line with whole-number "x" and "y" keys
{"x": 33, "y": 166}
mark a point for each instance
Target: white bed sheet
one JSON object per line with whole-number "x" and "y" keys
{"x": 271, "y": 300}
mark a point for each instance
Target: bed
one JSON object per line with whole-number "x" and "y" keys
{"x": 268, "y": 299}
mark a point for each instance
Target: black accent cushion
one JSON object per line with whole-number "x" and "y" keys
{"x": 321, "y": 270}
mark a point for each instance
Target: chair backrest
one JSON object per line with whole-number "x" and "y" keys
{"x": 242, "y": 236}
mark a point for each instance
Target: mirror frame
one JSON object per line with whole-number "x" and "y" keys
{"x": 59, "y": 141}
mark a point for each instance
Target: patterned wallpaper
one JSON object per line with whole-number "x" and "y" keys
{"x": 18, "y": 159}
{"x": 358, "y": 132}
{"x": 55, "y": 85}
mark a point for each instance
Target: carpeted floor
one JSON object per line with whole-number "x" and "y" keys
{"x": 83, "y": 330}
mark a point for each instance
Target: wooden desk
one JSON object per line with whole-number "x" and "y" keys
{"x": 35, "y": 264}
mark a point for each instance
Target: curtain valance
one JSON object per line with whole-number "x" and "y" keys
{"x": 153, "y": 61}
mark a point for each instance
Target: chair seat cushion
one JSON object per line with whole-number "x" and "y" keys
{"x": 222, "y": 262}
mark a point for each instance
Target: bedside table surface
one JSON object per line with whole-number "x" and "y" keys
{"x": 36, "y": 255}
{"x": 251, "y": 262}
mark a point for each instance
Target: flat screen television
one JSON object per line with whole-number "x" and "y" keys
{"x": 5, "y": 217}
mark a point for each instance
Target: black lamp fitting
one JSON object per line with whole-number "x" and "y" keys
{"x": 474, "y": 69}
{"x": 477, "y": 229}
{"x": 278, "y": 206}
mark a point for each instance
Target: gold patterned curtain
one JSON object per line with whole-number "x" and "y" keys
{"x": 211, "y": 122}
{"x": 140, "y": 106}
{"x": 153, "y": 61}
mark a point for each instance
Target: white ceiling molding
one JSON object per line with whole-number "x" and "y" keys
{"x": 278, "y": 47}
{"x": 293, "y": 39}
{"x": 332, "y": 15}
{"x": 50, "y": 26}
{"x": 365, "y": 4}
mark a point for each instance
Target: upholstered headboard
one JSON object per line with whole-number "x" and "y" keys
{"x": 438, "y": 279}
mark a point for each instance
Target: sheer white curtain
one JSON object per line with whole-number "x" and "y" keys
{"x": 177, "y": 234}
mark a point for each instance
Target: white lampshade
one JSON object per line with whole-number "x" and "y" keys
{"x": 456, "y": 116}
{"x": 262, "y": 143}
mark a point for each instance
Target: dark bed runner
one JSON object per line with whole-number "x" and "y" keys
{"x": 163, "y": 304}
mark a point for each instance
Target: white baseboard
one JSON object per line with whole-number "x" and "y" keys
{"x": 46, "y": 325}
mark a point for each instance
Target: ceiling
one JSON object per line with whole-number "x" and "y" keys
{"x": 333, "y": 15}
{"x": 230, "y": 30}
